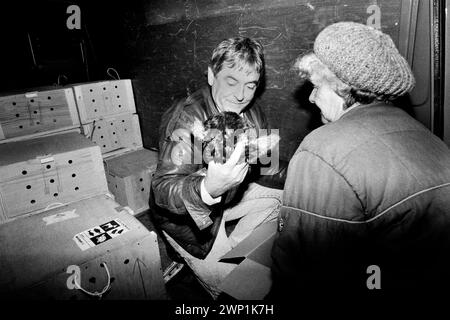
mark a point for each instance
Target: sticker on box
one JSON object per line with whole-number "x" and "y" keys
{"x": 100, "y": 234}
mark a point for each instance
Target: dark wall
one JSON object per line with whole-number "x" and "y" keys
{"x": 164, "y": 46}
{"x": 177, "y": 37}
{"x": 37, "y": 47}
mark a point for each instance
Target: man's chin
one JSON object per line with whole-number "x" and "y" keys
{"x": 231, "y": 107}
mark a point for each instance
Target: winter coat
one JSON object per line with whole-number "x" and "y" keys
{"x": 370, "y": 190}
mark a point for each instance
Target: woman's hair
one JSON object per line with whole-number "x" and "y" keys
{"x": 312, "y": 69}
{"x": 242, "y": 52}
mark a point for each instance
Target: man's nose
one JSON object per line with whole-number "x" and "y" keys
{"x": 239, "y": 94}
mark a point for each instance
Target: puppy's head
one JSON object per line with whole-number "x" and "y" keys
{"x": 222, "y": 132}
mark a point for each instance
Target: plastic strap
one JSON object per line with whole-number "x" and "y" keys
{"x": 96, "y": 293}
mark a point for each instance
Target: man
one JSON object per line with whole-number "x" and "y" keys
{"x": 192, "y": 201}
{"x": 366, "y": 202}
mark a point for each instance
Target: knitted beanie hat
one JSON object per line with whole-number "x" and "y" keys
{"x": 364, "y": 58}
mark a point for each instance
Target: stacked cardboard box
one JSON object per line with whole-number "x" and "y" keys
{"x": 37, "y": 112}
{"x": 129, "y": 177}
{"x": 107, "y": 114}
{"x": 84, "y": 250}
{"x": 62, "y": 232}
{"x": 40, "y": 172}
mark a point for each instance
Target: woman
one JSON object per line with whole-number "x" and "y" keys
{"x": 368, "y": 192}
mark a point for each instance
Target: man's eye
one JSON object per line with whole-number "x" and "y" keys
{"x": 251, "y": 86}
{"x": 231, "y": 82}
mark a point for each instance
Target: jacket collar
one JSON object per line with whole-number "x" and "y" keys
{"x": 362, "y": 106}
{"x": 207, "y": 98}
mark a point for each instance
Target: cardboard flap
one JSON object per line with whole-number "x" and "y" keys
{"x": 253, "y": 278}
{"x": 262, "y": 254}
{"x": 256, "y": 246}
{"x": 132, "y": 163}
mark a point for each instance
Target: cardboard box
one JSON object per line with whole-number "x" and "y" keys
{"x": 119, "y": 132}
{"x": 251, "y": 279}
{"x": 96, "y": 100}
{"x": 37, "y": 173}
{"x": 129, "y": 176}
{"x": 37, "y": 112}
{"x": 45, "y": 255}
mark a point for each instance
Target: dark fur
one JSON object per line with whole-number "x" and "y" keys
{"x": 222, "y": 122}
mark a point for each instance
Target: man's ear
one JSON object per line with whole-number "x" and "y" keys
{"x": 211, "y": 76}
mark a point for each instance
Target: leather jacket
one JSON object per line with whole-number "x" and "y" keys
{"x": 175, "y": 199}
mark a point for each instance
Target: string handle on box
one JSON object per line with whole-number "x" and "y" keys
{"x": 96, "y": 293}
{"x": 108, "y": 72}
{"x": 59, "y": 79}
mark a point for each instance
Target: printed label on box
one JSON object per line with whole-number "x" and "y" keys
{"x": 99, "y": 234}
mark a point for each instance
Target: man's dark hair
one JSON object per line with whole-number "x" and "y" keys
{"x": 240, "y": 51}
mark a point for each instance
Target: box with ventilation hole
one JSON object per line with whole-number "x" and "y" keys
{"x": 96, "y": 100}
{"x": 40, "y": 172}
{"x": 129, "y": 176}
{"x": 117, "y": 132}
{"x": 37, "y": 113}
{"x": 89, "y": 249}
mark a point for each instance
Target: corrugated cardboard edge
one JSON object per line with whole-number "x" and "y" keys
{"x": 130, "y": 95}
{"x": 137, "y": 129}
{"x": 2, "y": 135}
{"x": 79, "y": 100}
{"x": 70, "y": 98}
{"x": 42, "y": 134}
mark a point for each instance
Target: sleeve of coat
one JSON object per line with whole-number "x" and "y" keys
{"x": 319, "y": 228}
{"x": 177, "y": 180}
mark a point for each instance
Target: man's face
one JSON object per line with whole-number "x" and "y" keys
{"x": 330, "y": 104}
{"x": 233, "y": 88}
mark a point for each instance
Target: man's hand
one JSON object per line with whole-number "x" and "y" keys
{"x": 222, "y": 177}
{"x": 259, "y": 147}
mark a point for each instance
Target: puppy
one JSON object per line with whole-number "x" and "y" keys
{"x": 223, "y": 131}
{"x": 220, "y": 133}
